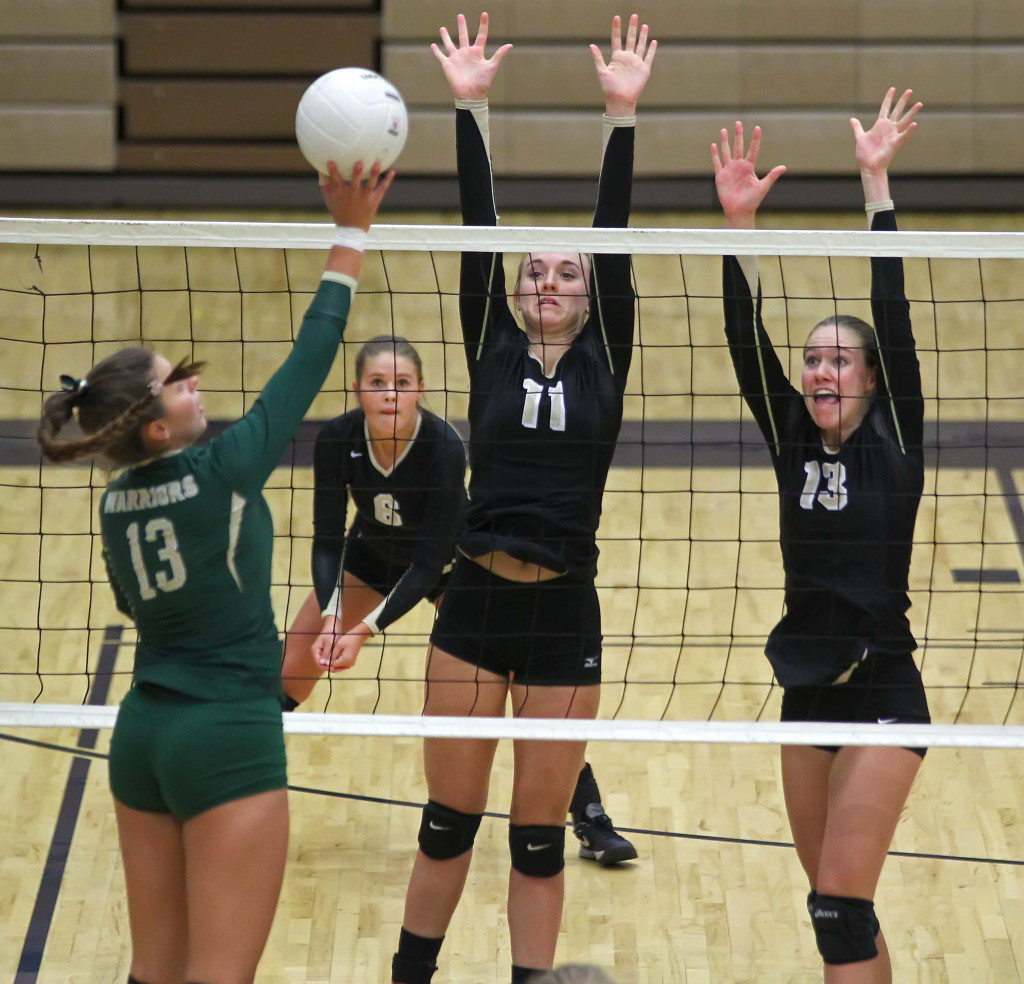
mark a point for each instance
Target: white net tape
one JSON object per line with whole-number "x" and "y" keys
{"x": 709, "y": 732}
{"x": 715, "y": 242}
{"x": 453, "y": 238}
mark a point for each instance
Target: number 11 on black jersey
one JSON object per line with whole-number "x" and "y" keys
{"x": 531, "y": 406}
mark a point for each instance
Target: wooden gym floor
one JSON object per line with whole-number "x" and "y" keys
{"x": 717, "y": 894}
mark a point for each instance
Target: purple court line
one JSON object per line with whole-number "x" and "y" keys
{"x": 67, "y": 818}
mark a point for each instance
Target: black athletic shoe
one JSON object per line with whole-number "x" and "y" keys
{"x": 599, "y": 840}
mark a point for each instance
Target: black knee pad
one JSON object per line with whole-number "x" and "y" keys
{"x": 845, "y": 928}
{"x": 446, "y": 833}
{"x": 537, "y": 851}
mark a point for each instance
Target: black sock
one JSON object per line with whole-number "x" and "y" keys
{"x": 520, "y": 975}
{"x": 585, "y": 794}
{"x": 413, "y": 947}
{"x": 416, "y": 959}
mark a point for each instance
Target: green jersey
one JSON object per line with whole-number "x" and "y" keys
{"x": 188, "y": 537}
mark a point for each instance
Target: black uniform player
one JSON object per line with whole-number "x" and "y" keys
{"x": 848, "y": 459}
{"x": 197, "y": 758}
{"x": 405, "y": 469}
{"x": 520, "y": 614}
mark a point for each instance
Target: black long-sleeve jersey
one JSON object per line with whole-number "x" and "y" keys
{"x": 540, "y": 446}
{"x": 846, "y": 519}
{"x": 413, "y": 511}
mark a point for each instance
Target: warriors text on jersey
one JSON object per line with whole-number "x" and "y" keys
{"x": 188, "y": 537}
{"x": 541, "y": 446}
{"x": 412, "y": 512}
{"x": 846, "y": 517}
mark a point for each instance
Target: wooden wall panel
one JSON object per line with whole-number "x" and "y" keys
{"x": 342, "y": 6}
{"x": 677, "y": 144}
{"x": 246, "y": 43}
{"x": 218, "y": 110}
{"x": 199, "y": 158}
{"x": 65, "y": 19}
{"x": 58, "y": 73}
{"x": 57, "y": 139}
{"x": 724, "y": 20}
{"x": 736, "y": 78}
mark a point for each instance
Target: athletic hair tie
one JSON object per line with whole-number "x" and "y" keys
{"x": 79, "y": 388}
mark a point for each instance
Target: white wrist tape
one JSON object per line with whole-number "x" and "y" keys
{"x": 350, "y": 236}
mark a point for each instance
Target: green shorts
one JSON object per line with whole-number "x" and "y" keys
{"x": 174, "y": 754}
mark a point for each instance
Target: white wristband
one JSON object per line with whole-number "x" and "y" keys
{"x": 333, "y": 609}
{"x": 882, "y": 206}
{"x": 350, "y": 236}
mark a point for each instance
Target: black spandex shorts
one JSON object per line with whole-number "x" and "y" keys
{"x": 882, "y": 689}
{"x": 170, "y": 753}
{"x": 546, "y": 633}
{"x": 380, "y": 567}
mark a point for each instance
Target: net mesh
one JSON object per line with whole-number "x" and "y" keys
{"x": 690, "y": 576}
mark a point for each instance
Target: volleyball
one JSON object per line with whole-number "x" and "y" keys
{"x": 351, "y": 115}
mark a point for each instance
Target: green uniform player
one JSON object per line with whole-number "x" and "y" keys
{"x": 197, "y": 760}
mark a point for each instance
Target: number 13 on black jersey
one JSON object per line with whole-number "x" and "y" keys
{"x": 834, "y": 495}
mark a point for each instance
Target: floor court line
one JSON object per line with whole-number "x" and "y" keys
{"x": 67, "y": 818}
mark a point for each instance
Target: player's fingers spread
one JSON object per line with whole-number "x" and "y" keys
{"x": 386, "y": 183}
{"x": 651, "y": 49}
{"x": 463, "y": 30}
{"x": 616, "y": 33}
{"x": 773, "y": 175}
{"x": 901, "y": 105}
{"x": 726, "y": 153}
{"x": 908, "y": 120}
{"x": 333, "y": 181}
{"x": 374, "y": 176}
{"x": 631, "y": 33}
{"x": 641, "y": 41}
{"x": 755, "y": 145}
{"x": 481, "y": 31}
{"x": 737, "y": 144}
{"x": 883, "y": 111}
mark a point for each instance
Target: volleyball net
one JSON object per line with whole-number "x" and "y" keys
{"x": 690, "y": 576}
